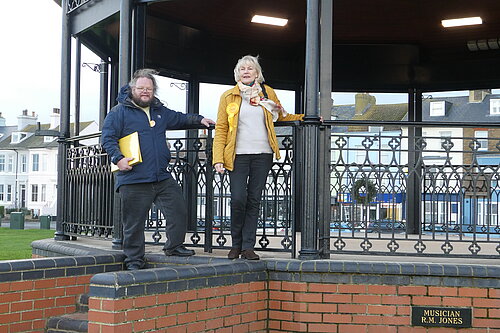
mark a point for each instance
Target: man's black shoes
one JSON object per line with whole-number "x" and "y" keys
{"x": 179, "y": 251}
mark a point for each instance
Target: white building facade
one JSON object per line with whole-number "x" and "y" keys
{"x": 28, "y": 164}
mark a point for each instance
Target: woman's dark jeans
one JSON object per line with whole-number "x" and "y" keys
{"x": 247, "y": 180}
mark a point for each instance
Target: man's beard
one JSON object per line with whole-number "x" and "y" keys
{"x": 141, "y": 103}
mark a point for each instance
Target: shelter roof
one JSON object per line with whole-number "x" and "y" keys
{"x": 379, "y": 46}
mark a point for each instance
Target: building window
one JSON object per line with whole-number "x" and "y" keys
{"x": 2, "y": 197}
{"x": 445, "y": 139}
{"x": 360, "y": 154}
{"x": 481, "y": 210}
{"x": 34, "y": 193}
{"x": 24, "y": 163}
{"x": 36, "y": 162}
{"x": 481, "y": 139}
{"x": 494, "y": 214}
{"x": 10, "y": 163}
{"x": 494, "y": 106}
{"x": 375, "y": 129}
{"x": 385, "y": 154}
{"x": 43, "y": 166}
{"x": 43, "y": 193}
{"x": 2, "y": 163}
{"x": 438, "y": 109}
{"x": 9, "y": 193}
{"x": 429, "y": 209}
{"x": 18, "y": 137}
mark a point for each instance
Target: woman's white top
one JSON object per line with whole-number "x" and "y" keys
{"x": 251, "y": 137}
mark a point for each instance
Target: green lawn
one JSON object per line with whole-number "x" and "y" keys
{"x": 16, "y": 244}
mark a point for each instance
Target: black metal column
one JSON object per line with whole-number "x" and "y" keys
{"x": 139, "y": 40}
{"x": 64, "y": 120}
{"x": 326, "y": 103}
{"x": 114, "y": 86}
{"x": 125, "y": 41}
{"x": 103, "y": 91}
{"x": 78, "y": 70}
{"x": 191, "y": 181}
{"x": 414, "y": 187}
{"x": 309, "y": 170}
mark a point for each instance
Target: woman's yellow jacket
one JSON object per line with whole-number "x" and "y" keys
{"x": 224, "y": 148}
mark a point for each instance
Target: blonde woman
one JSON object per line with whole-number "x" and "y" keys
{"x": 244, "y": 144}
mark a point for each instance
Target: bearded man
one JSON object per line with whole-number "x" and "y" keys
{"x": 148, "y": 182}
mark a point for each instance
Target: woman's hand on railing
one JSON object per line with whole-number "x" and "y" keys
{"x": 219, "y": 167}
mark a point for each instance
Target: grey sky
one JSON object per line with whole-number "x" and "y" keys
{"x": 30, "y": 59}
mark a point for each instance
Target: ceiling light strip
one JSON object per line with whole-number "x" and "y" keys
{"x": 269, "y": 20}
{"x": 462, "y": 22}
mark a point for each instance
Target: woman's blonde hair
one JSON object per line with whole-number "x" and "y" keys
{"x": 248, "y": 60}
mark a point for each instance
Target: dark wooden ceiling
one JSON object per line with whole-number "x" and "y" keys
{"x": 379, "y": 45}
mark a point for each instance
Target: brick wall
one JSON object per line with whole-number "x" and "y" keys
{"x": 350, "y": 297}
{"x": 321, "y": 307}
{"x": 31, "y": 291}
{"x": 291, "y": 296}
{"x": 217, "y": 295}
{"x": 237, "y": 308}
{"x": 223, "y": 297}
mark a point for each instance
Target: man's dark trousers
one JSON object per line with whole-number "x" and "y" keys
{"x": 136, "y": 203}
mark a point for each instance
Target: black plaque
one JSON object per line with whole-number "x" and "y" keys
{"x": 441, "y": 317}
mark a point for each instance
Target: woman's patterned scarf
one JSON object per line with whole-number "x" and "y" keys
{"x": 252, "y": 93}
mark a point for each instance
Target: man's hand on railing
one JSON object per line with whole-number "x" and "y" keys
{"x": 123, "y": 164}
{"x": 219, "y": 167}
{"x": 207, "y": 122}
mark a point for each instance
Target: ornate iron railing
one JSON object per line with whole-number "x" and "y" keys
{"x": 89, "y": 195}
{"x": 89, "y": 186}
{"x": 456, "y": 184}
{"x": 375, "y": 179}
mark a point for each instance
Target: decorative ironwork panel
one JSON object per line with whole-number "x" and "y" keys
{"x": 88, "y": 193}
{"x": 458, "y": 187}
{"x": 89, "y": 189}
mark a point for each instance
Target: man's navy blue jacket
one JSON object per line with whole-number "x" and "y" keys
{"x": 126, "y": 118}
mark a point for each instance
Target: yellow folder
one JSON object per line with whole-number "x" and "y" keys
{"x": 129, "y": 146}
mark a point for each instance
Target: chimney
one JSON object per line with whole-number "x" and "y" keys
{"x": 477, "y": 96}
{"x": 363, "y": 101}
{"x": 24, "y": 120}
{"x": 55, "y": 118}
{"x": 2, "y": 120}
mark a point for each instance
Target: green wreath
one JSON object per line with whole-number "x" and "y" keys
{"x": 370, "y": 191}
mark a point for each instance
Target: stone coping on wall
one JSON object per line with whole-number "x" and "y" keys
{"x": 45, "y": 268}
{"x": 172, "y": 279}
{"x": 176, "y": 278}
{"x": 53, "y": 248}
{"x": 166, "y": 274}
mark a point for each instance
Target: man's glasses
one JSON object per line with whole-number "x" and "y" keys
{"x": 144, "y": 89}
